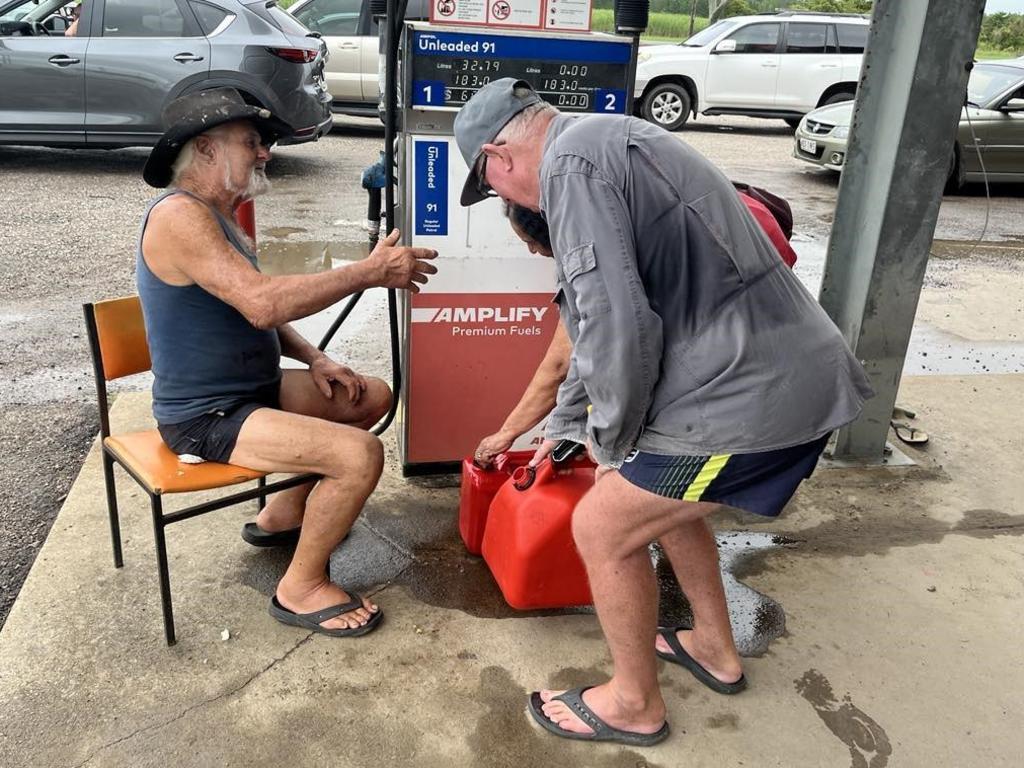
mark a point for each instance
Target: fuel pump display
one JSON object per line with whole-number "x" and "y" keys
{"x": 475, "y": 334}
{"x": 580, "y": 75}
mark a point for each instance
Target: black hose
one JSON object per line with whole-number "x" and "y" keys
{"x": 392, "y": 29}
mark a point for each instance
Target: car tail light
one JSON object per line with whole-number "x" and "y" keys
{"x": 296, "y": 55}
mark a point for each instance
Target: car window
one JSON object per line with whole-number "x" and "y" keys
{"x": 143, "y": 18}
{"x": 34, "y": 10}
{"x": 708, "y": 34}
{"x": 210, "y": 16}
{"x": 339, "y": 18}
{"x": 853, "y": 38}
{"x": 756, "y": 38}
{"x": 807, "y": 38}
{"x": 416, "y": 10}
{"x": 985, "y": 83}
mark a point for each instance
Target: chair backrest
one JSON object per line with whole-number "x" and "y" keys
{"x": 120, "y": 337}
{"x": 117, "y": 341}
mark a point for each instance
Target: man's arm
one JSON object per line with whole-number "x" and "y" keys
{"x": 536, "y": 402}
{"x": 617, "y": 354}
{"x": 183, "y": 244}
{"x": 323, "y": 370}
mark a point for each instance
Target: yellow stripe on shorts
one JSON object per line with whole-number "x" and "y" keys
{"x": 712, "y": 467}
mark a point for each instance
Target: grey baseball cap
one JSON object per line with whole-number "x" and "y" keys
{"x": 482, "y": 118}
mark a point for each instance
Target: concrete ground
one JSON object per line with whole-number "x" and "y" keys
{"x": 902, "y": 593}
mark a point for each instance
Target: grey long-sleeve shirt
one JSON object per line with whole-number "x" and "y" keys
{"x": 690, "y": 335}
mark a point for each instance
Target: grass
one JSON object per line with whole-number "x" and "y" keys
{"x": 984, "y": 52}
{"x": 671, "y": 27}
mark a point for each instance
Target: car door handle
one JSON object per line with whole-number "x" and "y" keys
{"x": 769, "y": 64}
{"x": 348, "y": 46}
{"x": 62, "y": 60}
{"x": 184, "y": 58}
{"x": 830, "y": 66}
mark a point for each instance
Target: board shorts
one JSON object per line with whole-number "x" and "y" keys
{"x": 761, "y": 483}
{"x": 212, "y": 436}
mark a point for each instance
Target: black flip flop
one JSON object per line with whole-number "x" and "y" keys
{"x": 312, "y": 621}
{"x": 682, "y": 658}
{"x": 256, "y": 536}
{"x": 602, "y": 731}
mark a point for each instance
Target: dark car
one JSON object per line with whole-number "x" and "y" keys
{"x": 105, "y": 81}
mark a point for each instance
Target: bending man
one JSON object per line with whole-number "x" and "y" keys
{"x": 713, "y": 377}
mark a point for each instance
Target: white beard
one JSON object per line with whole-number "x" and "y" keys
{"x": 257, "y": 185}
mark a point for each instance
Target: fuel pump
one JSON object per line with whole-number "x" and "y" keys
{"x": 473, "y": 337}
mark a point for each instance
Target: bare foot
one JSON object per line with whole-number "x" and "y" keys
{"x": 602, "y": 699}
{"x": 324, "y": 595}
{"x": 724, "y": 667}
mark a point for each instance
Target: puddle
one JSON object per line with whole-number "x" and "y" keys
{"x": 282, "y": 231}
{"x": 954, "y": 295}
{"x": 304, "y": 258}
{"x": 756, "y": 618}
{"x": 448, "y": 577}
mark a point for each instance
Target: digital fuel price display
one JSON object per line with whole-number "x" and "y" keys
{"x": 578, "y": 75}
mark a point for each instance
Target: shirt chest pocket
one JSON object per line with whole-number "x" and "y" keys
{"x": 584, "y": 284}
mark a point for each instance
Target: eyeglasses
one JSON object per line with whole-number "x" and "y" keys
{"x": 482, "y": 186}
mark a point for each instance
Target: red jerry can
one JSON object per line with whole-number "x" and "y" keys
{"x": 528, "y": 540}
{"x": 477, "y": 491}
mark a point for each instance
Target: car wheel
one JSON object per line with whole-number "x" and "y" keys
{"x": 793, "y": 122}
{"x": 955, "y": 180}
{"x": 837, "y": 98}
{"x": 666, "y": 105}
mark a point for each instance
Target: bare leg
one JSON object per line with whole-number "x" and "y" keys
{"x": 691, "y": 549}
{"x": 299, "y": 394}
{"x": 351, "y": 461}
{"x": 613, "y": 525}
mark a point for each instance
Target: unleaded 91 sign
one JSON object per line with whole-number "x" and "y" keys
{"x": 576, "y": 75}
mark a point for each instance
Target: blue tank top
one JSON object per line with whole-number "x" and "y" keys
{"x": 206, "y": 356}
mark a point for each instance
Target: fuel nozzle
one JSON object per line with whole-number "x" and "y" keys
{"x": 373, "y": 181}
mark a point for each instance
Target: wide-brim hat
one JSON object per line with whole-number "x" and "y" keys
{"x": 481, "y": 119}
{"x": 188, "y": 116}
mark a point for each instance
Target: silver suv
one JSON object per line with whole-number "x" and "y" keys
{"x": 776, "y": 65}
{"x": 104, "y": 81}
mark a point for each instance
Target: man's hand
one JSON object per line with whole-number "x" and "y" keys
{"x": 542, "y": 452}
{"x": 325, "y": 371}
{"x": 394, "y": 266}
{"x": 491, "y": 446}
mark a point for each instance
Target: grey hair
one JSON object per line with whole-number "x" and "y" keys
{"x": 183, "y": 162}
{"x": 519, "y": 127}
{"x": 187, "y": 155}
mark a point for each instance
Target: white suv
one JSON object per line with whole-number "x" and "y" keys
{"x": 771, "y": 65}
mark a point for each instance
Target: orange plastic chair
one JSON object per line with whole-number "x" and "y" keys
{"x": 117, "y": 340}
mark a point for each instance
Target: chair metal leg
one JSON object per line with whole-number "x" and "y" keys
{"x": 161, "y": 561}
{"x": 262, "y": 498}
{"x": 115, "y": 523}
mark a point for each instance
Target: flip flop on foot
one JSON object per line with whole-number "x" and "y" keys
{"x": 313, "y": 621}
{"x": 908, "y": 434}
{"x": 602, "y": 731}
{"x": 256, "y": 536}
{"x": 682, "y": 658}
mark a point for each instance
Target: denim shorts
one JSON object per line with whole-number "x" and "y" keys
{"x": 761, "y": 483}
{"x": 212, "y": 436}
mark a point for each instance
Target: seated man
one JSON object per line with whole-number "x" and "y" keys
{"x": 217, "y": 328}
